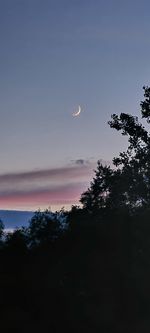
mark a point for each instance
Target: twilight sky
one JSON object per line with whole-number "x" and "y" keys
{"x": 55, "y": 55}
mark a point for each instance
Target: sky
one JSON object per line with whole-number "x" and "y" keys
{"x": 54, "y": 56}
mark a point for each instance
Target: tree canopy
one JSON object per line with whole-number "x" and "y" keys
{"x": 44, "y": 228}
{"x": 1, "y": 228}
{"x": 127, "y": 183}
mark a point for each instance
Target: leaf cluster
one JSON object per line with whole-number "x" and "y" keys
{"x": 127, "y": 183}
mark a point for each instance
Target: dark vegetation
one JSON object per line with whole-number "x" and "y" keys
{"x": 91, "y": 273}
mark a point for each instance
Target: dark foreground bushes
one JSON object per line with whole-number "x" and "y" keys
{"x": 94, "y": 278}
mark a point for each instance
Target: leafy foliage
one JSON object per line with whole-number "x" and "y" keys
{"x": 17, "y": 240}
{"x": 128, "y": 183}
{"x": 44, "y": 228}
{"x": 1, "y": 228}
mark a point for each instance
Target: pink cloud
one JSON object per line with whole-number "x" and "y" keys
{"x": 39, "y": 188}
{"x": 62, "y": 195}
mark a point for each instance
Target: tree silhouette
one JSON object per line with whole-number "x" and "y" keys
{"x": 44, "y": 228}
{"x": 96, "y": 196}
{"x": 17, "y": 240}
{"x": 1, "y": 228}
{"x": 128, "y": 183}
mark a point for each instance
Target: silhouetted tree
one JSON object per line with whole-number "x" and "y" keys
{"x": 44, "y": 228}
{"x": 95, "y": 197}
{"x": 17, "y": 241}
{"x": 1, "y": 228}
{"x": 128, "y": 184}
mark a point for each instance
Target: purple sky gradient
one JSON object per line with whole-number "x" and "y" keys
{"x": 43, "y": 188}
{"x": 56, "y": 55}
{"x": 55, "y": 197}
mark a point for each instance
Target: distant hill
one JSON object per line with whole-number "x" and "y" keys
{"x": 15, "y": 218}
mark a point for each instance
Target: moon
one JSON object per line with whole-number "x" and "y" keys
{"x": 75, "y": 114}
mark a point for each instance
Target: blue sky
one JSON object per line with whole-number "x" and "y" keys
{"x": 55, "y": 55}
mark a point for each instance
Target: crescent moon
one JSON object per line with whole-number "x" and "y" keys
{"x": 75, "y": 114}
